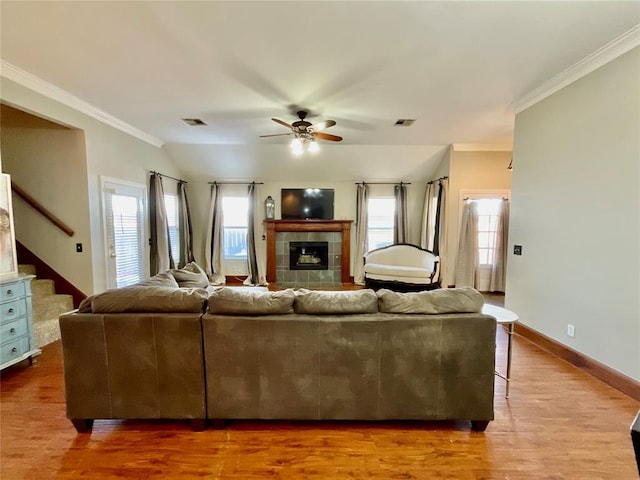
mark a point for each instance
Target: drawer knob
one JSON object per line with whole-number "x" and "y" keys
{"x": 14, "y": 350}
{"x": 9, "y": 292}
{"x": 10, "y": 311}
{"x": 12, "y": 331}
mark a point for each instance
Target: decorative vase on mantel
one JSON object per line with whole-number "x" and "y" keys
{"x": 269, "y": 208}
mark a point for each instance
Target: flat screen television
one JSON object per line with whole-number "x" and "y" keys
{"x": 307, "y": 204}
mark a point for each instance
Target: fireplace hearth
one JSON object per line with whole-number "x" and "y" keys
{"x": 308, "y": 255}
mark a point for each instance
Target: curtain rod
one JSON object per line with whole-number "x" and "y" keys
{"x": 438, "y": 179}
{"x": 168, "y": 176}
{"x": 474, "y": 199}
{"x": 383, "y": 183}
{"x": 236, "y": 183}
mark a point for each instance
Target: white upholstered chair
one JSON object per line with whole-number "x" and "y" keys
{"x": 401, "y": 267}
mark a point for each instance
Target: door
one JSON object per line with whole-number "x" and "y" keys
{"x": 124, "y": 219}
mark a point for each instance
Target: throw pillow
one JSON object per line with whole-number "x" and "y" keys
{"x": 162, "y": 279}
{"x": 444, "y": 300}
{"x": 320, "y": 302}
{"x": 191, "y": 276}
{"x": 239, "y": 301}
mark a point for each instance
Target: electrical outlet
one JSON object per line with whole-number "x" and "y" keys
{"x": 517, "y": 249}
{"x": 571, "y": 330}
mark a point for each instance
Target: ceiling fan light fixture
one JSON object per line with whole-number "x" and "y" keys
{"x": 313, "y": 146}
{"x": 296, "y": 146}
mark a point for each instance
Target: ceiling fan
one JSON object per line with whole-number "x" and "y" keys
{"x": 305, "y": 132}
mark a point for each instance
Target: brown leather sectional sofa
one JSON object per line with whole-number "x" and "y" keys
{"x": 157, "y": 352}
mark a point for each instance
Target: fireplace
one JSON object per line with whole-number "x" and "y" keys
{"x": 280, "y": 233}
{"x": 308, "y": 255}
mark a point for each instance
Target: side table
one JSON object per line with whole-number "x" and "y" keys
{"x": 504, "y": 317}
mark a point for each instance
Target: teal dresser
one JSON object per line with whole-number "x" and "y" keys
{"x": 16, "y": 324}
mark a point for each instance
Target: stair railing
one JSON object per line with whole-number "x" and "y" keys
{"x": 41, "y": 209}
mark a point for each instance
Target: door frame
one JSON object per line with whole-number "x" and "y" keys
{"x": 111, "y": 182}
{"x": 479, "y": 194}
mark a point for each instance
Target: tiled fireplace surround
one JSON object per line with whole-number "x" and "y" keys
{"x": 337, "y": 233}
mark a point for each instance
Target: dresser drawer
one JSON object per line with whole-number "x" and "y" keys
{"x": 9, "y": 311}
{"x": 12, "y": 330}
{"x": 10, "y": 291}
{"x": 15, "y": 349}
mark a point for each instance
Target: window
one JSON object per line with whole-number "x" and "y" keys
{"x": 380, "y": 222}
{"x": 488, "y": 211}
{"x": 171, "y": 205}
{"x": 124, "y": 226}
{"x": 235, "y": 211}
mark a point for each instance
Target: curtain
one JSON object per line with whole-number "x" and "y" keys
{"x": 214, "y": 255}
{"x": 257, "y": 266}
{"x": 440, "y": 233}
{"x": 427, "y": 233}
{"x": 160, "y": 251}
{"x": 499, "y": 266}
{"x": 185, "y": 234}
{"x": 362, "y": 200}
{"x": 466, "y": 274}
{"x": 400, "y": 219}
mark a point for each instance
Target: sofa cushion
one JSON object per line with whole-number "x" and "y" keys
{"x": 162, "y": 279}
{"x": 444, "y": 300}
{"x": 191, "y": 276}
{"x": 150, "y": 299}
{"x": 85, "y": 304}
{"x": 240, "y": 301}
{"x": 397, "y": 270}
{"x": 318, "y": 302}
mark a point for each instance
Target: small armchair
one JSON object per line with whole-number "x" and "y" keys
{"x": 401, "y": 267}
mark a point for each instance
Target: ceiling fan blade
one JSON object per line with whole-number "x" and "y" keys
{"x": 284, "y": 124}
{"x": 328, "y": 136}
{"x": 322, "y": 125}
{"x": 276, "y": 135}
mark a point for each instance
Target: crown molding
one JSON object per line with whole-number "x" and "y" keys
{"x": 482, "y": 147}
{"x": 36, "y": 84}
{"x": 597, "y": 59}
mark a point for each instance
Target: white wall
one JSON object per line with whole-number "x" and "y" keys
{"x": 35, "y": 157}
{"x": 470, "y": 171}
{"x": 576, "y": 212}
{"x": 109, "y": 152}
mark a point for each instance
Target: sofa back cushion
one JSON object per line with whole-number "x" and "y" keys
{"x": 162, "y": 279}
{"x": 150, "y": 299}
{"x": 318, "y": 302}
{"x": 445, "y": 300}
{"x": 190, "y": 276}
{"x": 239, "y": 301}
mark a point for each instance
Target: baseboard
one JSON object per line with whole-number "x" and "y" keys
{"x": 617, "y": 380}
{"x": 44, "y": 271}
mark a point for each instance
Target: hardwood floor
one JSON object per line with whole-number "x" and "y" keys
{"x": 559, "y": 423}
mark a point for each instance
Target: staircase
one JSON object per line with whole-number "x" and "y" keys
{"x": 47, "y": 306}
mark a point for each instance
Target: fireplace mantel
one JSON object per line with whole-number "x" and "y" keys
{"x": 273, "y": 226}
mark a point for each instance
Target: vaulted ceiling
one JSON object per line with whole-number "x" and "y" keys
{"x": 455, "y": 67}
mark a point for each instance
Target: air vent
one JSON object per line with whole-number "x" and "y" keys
{"x": 193, "y": 122}
{"x": 405, "y": 122}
